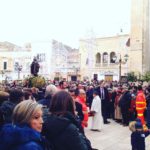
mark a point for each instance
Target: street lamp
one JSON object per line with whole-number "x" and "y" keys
{"x": 120, "y": 62}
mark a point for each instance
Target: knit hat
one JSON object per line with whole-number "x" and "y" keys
{"x": 138, "y": 120}
{"x": 138, "y": 125}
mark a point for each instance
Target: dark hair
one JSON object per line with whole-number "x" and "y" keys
{"x": 16, "y": 95}
{"x": 77, "y": 92}
{"x": 139, "y": 87}
{"x": 61, "y": 83}
{"x": 135, "y": 88}
{"x": 61, "y": 103}
{"x": 71, "y": 90}
{"x": 95, "y": 92}
{"x": 27, "y": 95}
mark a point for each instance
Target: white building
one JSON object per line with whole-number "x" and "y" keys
{"x": 15, "y": 61}
{"x": 97, "y": 57}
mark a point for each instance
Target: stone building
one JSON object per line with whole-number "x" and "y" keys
{"x": 14, "y": 61}
{"x": 139, "y": 36}
{"x": 56, "y": 60}
{"x": 96, "y": 54}
{"x": 65, "y": 61}
{"x": 73, "y": 64}
{"x": 100, "y": 57}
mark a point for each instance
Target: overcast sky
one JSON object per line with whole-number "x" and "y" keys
{"x": 67, "y": 21}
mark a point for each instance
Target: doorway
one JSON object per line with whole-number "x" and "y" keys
{"x": 108, "y": 77}
{"x": 73, "y": 78}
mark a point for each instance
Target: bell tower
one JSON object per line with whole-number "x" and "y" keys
{"x": 139, "y": 38}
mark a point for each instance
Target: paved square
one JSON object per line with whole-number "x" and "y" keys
{"x": 112, "y": 137}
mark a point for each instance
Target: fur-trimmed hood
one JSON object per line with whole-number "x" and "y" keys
{"x": 17, "y": 135}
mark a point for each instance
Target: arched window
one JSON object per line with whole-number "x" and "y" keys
{"x": 98, "y": 58}
{"x": 112, "y": 55}
{"x": 105, "y": 57}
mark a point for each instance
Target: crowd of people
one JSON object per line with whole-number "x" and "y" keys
{"x": 54, "y": 117}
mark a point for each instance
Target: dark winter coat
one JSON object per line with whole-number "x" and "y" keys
{"x": 148, "y": 99}
{"x": 89, "y": 97}
{"x": 45, "y": 101}
{"x": 148, "y": 116}
{"x": 106, "y": 94}
{"x": 65, "y": 133}
{"x": 125, "y": 100}
{"x": 20, "y": 138}
{"x": 7, "y": 109}
{"x": 79, "y": 111}
{"x": 138, "y": 140}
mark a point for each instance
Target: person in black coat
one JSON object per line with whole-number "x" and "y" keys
{"x": 78, "y": 106}
{"x": 16, "y": 96}
{"x": 124, "y": 105}
{"x": 112, "y": 104}
{"x": 105, "y": 101}
{"x": 148, "y": 107}
{"x": 89, "y": 96}
{"x": 61, "y": 126}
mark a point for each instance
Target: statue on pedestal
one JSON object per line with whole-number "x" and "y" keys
{"x": 35, "y": 80}
{"x": 35, "y": 67}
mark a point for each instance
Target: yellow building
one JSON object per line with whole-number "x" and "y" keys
{"x": 100, "y": 57}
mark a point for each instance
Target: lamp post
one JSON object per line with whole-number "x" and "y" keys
{"x": 120, "y": 62}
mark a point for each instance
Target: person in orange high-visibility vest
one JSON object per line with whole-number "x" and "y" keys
{"x": 141, "y": 105}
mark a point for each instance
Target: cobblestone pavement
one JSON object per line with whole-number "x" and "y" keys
{"x": 113, "y": 136}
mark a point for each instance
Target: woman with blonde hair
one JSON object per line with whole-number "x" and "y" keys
{"x": 24, "y": 131}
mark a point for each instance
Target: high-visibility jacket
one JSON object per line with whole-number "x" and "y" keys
{"x": 140, "y": 106}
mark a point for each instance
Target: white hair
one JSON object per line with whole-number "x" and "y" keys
{"x": 50, "y": 90}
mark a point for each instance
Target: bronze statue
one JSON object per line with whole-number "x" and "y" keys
{"x": 35, "y": 67}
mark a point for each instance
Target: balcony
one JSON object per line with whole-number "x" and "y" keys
{"x": 105, "y": 65}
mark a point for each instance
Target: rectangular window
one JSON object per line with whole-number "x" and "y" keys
{"x": 5, "y": 65}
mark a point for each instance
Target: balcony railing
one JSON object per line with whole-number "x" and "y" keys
{"x": 97, "y": 65}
